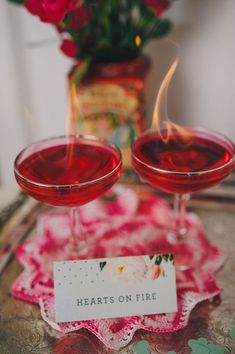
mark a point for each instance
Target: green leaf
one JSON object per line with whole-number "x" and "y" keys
{"x": 166, "y": 257}
{"x": 19, "y": 2}
{"x": 151, "y": 257}
{"x": 147, "y": 16}
{"x": 216, "y": 349}
{"x": 80, "y": 72}
{"x": 232, "y": 332}
{"x": 141, "y": 347}
{"x": 201, "y": 346}
{"x": 158, "y": 260}
{"x": 160, "y": 28}
{"x": 171, "y": 257}
{"x": 102, "y": 265}
{"x": 198, "y": 346}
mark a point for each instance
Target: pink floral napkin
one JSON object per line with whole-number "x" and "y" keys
{"x": 124, "y": 223}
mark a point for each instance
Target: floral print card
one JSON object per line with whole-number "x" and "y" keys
{"x": 114, "y": 287}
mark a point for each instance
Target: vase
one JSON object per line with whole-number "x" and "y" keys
{"x": 112, "y": 101}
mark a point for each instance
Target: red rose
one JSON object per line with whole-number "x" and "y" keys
{"x": 69, "y": 48}
{"x": 50, "y": 10}
{"x": 158, "y": 6}
{"x": 78, "y": 17}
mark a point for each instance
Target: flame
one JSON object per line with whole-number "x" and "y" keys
{"x": 138, "y": 41}
{"x": 170, "y": 129}
{"x": 72, "y": 121}
{"x": 74, "y": 108}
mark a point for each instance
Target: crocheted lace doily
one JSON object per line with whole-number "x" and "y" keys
{"x": 123, "y": 223}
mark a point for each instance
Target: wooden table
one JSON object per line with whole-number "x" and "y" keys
{"x": 22, "y": 329}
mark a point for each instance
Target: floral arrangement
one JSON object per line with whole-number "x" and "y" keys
{"x": 103, "y": 30}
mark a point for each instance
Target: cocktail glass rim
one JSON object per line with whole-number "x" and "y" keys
{"x": 69, "y": 136}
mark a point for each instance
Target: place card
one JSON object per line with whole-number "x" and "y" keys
{"x": 114, "y": 287}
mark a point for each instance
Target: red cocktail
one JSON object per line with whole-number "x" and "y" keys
{"x": 68, "y": 171}
{"x": 183, "y": 166}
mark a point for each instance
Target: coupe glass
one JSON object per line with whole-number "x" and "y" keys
{"x": 69, "y": 171}
{"x": 182, "y": 165}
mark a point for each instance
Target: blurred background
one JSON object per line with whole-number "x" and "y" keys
{"x": 33, "y": 89}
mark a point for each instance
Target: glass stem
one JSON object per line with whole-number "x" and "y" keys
{"x": 180, "y": 201}
{"x": 78, "y": 241}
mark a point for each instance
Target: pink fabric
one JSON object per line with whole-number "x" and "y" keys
{"x": 123, "y": 224}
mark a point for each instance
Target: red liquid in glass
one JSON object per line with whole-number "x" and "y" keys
{"x": 69, "y": 174}
{"x": 183, "y": 167}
